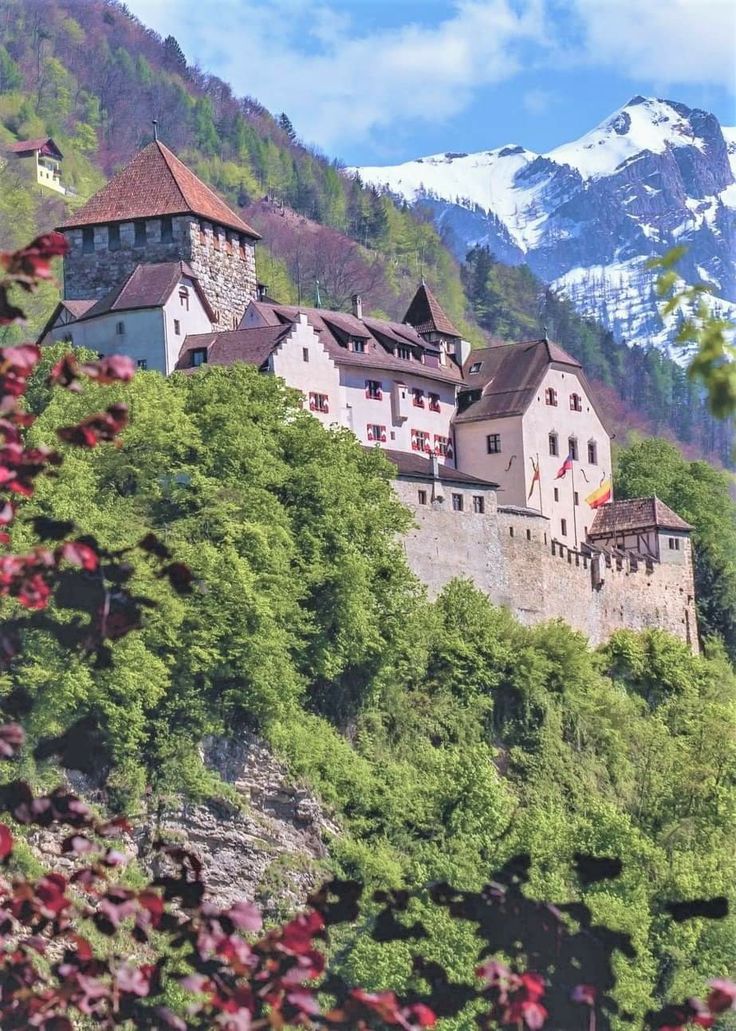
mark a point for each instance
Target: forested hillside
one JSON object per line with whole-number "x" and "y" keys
{"x": 93, "y": 77}
{"x": 446, "y": 736}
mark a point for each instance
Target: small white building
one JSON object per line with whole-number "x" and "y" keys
{"x": 148, "y": 317}
{"x": 46, "y": 159}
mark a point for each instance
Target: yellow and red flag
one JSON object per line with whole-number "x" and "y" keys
{"x": 601, "y": 495}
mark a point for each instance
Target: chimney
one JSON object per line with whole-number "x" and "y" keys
{"x": 357, "y": 306}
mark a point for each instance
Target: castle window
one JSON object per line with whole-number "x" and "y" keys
{"x": 422, "y": 497}
{"x": 202, "y": 231}
{"x": 576, "y": 403}
{"x": 434, "y": 402}
{"x": 373, "y": 389}
{"x": 550, "y": 397}
{"x": 88, "y": 239}
{"x": 177, "y": 327}
{"x": 674, "y": 543}
{"x": 457, "y": 502}
{"x": 563, "y": 527}
{"x": 113, "y": 238}
{"x": 199, "y": 356}
{"x": 576, "y": 498}
{"x": 493, "y": 443}
{"x": 377, "y": 434}
{"x": 167, "y": 229}
{"x": 403, "y": 352}
{"x": 140, "y": 233}
{"x": 572, "y": 447}
{"x": 528, "y": 535}
{"x": 120, "y": 328}
{"x": 511, "y": 531}
{"x": 592, "y": 452}
{"x": 475, "y": 368}
{"x": 242, "y": 245}
{"x": 319, "y": 402}
{"x": 357, "y": 344}
{"x": 554, "y": 447}
{"x": 184, "y": 297}
{"x": 305, "y": 354}
{"x": 420, "y": 441}
{"x": 216, "y": 237}
{"x": 142, "y": 364}
{"x": 557, "y": 493}
{"x": 442, "y": 446}
{"x": 479, "y": 504}
{"x": 418, "y": 394}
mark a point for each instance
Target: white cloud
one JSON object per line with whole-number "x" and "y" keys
{"x": 537, "y": 101}
{"x": 663, "y": 41}
{"x": 338, "y": 85}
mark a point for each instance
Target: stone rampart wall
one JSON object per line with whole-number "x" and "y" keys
{"x": 511, "y": 556}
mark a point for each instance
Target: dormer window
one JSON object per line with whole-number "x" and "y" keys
{"x": 402, "y": 351}
{"x": 357, "y": 344}
{"x": 576, "y": 403}
{"x": 550, "y": 397}
{"x": 199, "y": 356}
{"x": 475, "y": 368}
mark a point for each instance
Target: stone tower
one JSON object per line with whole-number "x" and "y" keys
{"x": 157, "y": 210}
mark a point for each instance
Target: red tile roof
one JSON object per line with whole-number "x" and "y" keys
{"x": 509, "y": 377}
{"x": 635, "y": 514}
{"x": 426, "y": 315}
{"x": 42, "y": 143}
{"x": 380, "y": 337}
{"x": 156, "y": 183}
{"x": 252, "y": 346}
{"x": 414, "y": 466}
{"x": 147, "y": 286}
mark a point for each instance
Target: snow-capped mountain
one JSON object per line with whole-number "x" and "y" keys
{"x": 588, "y": 215}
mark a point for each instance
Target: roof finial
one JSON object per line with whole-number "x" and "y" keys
{"x": 545, "y": 337}
{"x": 155, "y": 128}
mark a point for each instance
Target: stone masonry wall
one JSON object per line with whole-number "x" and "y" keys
{"x": 96, "y": 273}
{"x": 225, "y": 265}
{"x": 225, "y": 268}
{"x": 510, "y": 555}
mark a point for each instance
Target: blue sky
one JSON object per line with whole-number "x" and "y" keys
{"x": 385, "y": 81}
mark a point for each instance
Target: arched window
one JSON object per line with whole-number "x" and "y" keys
{"x": 576, "y": 403}
{"x": 554, "y": 445}
{"x": 592, "y": 453}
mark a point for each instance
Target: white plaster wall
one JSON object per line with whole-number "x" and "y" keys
{"x": 539, "y": 420}
{"x": 144, "y": 337}
{"x": 362, "y": 411}
{"x": 505, "y": 468}
{"x": 196, "y": 320}
{"x": 318, "y": 375}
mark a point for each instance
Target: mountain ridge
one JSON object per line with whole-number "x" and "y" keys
{"x": 589, "y": 214}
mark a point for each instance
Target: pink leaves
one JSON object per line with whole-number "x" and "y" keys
{"x": 515, "y": 997}
{"x": 6, "y": 841}
{"x": 12, "y": 737}
{"x": 68, "y": 372}
{"x": 392, "y": 1012}
{"x": 102, "y": 426}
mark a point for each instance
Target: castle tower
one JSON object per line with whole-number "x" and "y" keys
{"x": 157, "y": 210}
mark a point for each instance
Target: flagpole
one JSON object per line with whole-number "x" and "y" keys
{"x": 574, "y": 513}
{"x": 539, "y": 484}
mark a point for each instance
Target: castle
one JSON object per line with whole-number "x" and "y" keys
{"x": 501, "y": 453}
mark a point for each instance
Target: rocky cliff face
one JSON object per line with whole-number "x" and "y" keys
{"x": 589, "y": 215}
{"x": 269, "y": 844}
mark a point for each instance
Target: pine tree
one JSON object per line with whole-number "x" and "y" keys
{"x": 285, "y": 124}
{"x": 174, "y": 55}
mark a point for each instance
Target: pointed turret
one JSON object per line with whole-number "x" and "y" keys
{"x": 426, "y": 315}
